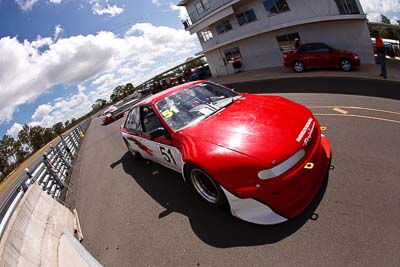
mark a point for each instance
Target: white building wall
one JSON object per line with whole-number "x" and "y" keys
{"x": 300, "y": 12}
{"x": 262, "y": 51}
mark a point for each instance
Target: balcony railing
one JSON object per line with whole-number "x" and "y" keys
{"x": 214, "y": 5}
{"x": 186, "y": 23}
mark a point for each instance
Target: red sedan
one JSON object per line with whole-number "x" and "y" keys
{"x": 320, "y": 55}
{"x": 264, "y": 156}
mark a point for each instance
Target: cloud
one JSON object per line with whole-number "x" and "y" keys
{"x": 27, "y": 5}
{"x": 64, "y": 109}
{"x": 183, "y": 15}
{"x": 374, "y": 8}
{"x": 14, "y": 130}
{"x": 41, "y": 111}
{"x": 90, "y": 65}
{"x": 156, "y": 2}
{"x": 81, "y": 88}
{"x": 57, "y": 30}
{"x": 101, "y": 9}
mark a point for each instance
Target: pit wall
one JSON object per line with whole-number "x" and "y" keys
{"x": 40, "y": 233}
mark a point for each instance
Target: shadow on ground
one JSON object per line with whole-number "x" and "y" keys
{"x": 217, "y": 228}
{"x": 322, "y": 85}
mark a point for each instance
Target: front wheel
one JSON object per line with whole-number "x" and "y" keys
{"x": 298, "y": 66}
{"x": 345, "y": 64}
{"x": 206, "y": 187}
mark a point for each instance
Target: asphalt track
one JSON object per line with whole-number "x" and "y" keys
{"x": 141, "y": 214}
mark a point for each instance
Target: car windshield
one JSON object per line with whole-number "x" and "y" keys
{"x": 194, "y": 104}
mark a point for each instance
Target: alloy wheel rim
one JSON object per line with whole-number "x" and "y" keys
{"x": 205, "y": 186}
{"x": 298, "y": 66}
{"x": 345, "y": 65}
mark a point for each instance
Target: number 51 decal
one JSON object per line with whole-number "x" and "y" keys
{"x": 167, "y": 154}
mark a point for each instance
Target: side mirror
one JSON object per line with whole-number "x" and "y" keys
{"x": 157, "y": 133}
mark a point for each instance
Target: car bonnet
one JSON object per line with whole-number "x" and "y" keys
{"x": 267, "y": 128}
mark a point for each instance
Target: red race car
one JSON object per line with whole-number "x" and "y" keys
{"x": 107, "y": 117}
{"x": 265, "y": 156}
{"x": 320, "y": 55}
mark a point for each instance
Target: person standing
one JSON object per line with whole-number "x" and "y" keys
{"x": 381, "y": 51}
{"x": 296, "y": 43}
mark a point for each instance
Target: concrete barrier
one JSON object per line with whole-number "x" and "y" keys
{"x": 40, "y": 233}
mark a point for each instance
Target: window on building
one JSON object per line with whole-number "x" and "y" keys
{"x": 287, "y": 42}
{"x": 232, "y": 54}
{"x": 205, "y": 35}
{"x": 202, "y": 6}
{"x": 246, "y": 17}
{"x": 276, "y": 6}
{"x": 223, "y": 26}
{"x": 347, "y": 7}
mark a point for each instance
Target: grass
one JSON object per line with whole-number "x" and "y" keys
{"x": 14, "y": 175}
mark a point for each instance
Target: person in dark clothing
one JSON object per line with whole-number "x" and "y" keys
{"x": 381, "y": 51}
{"x": 296, "y": 43}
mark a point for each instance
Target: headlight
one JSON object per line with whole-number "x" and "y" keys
{"x": 108, "y": 115}
{"x": 283, "y": 167}
{"x": 356, "y": 57}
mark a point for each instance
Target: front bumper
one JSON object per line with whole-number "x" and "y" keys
{"x": 287, "y": 196}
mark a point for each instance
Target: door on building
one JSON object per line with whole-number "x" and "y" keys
{"x": 288, "y": 42}
{"x": 234, "y": 58}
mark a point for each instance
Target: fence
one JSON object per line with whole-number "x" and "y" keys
{"x": 50, "y": 172}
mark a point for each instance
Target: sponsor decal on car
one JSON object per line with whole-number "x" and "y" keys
{"x": 141, "y": 145}
{"x": 307, "y": 129}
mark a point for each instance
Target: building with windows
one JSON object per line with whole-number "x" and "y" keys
{"x": 257, "y": 32}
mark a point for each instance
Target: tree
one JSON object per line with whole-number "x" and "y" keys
{"x": 99, "y": 103}
{"x": 19, "y": 152}
{"x": 385, "y": 19}
{"x": 58, "y": 128}
{"x": 24, "y": 137}
{"x": 66, "y": 124}
{"x": 118, "y": 93}
{"x": 36, "y": 137}
{"x": 6, "y": 153}
{"x": 129, "y": 88}
{"x": 48, "y": 135}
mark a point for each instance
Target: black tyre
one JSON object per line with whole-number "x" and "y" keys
{"x": 298, "y": 66}
{"x": 205, "y": 186}
{"x": 345, "y": 64}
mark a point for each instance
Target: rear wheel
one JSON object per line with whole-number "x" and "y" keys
{"x": 345, "y": 64}
{"x": 206, "y": 187}
{"x": 298, "y": 66}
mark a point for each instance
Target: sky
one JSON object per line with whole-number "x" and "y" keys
{"x": 58, "y": 56}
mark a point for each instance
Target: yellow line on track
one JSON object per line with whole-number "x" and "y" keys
{"x": 357, "y": 116}
{"x": 362, "y": 108}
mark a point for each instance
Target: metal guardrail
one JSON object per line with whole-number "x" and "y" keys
{"x": 50, "y": 172}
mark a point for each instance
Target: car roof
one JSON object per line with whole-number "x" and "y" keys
{"x": 163, "y": 94}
